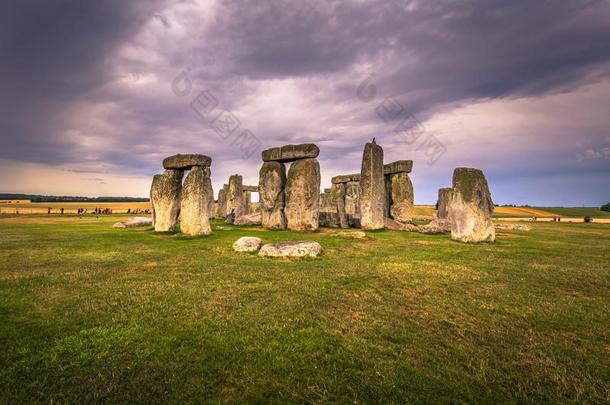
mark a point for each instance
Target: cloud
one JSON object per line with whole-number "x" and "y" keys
{"x": 87, "y": 88}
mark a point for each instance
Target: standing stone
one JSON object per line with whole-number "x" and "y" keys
{"x": 222, "y": 200}
{"x": 352, "y": 202}
{"x": 372, "y": 187}
{"x": 401, "y": 208}
{"x": 471, "y": 207}
{"x": 271, "y": 183}
{"x": 165, "y": 195}
{"x": 210, "y": 194}
{"x": 303, "y": 195}
{"x": 387, "y": 203}
{"x": 337, "y": 193}
{"x": 195, "y": 202}
{"x": 247, "y": 202}
{"x": 235, "y": 197}
{"x": 442, "y": 205}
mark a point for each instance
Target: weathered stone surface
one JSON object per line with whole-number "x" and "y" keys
{"x": 512, "y": 227}
{"x": 351, "y": 234}
{"x": 249, "y": 219}
{"x": 247, "y": 202}
{"x": 387, "y": 201}
{"x": 236, "y": 206}
{"x": 290, "y": 153}
{"x": 291, "y": 249}
{"x": 337, "y": 196}
{"x": 303, "y": 195}
{"x": 248, "y": 244}
{"x": 394, "y": 225}
{"x": 210, "y": 194}
{"x": 195, "y": 202}
{"x": 442, "y": 205}
{"x": 271, "y": 184}
{"x": 401, "y": 208}
{"x": 165, "y": 195}
{"x": 326, "y": 203}
{"x": 222, "y": 201}
{"x": 132, "y": 222}
{"x": 252, "y": 189}
{"x": 353, "y": 221}
{"x": 471, "y": 207}
{"x": 185, "y": 162}
{"x": 372, "y": 187}
{"x": 344, "y": 178}
{"x": 352, "y": 198}
{"x": 400, "y": 166}
{"x": 328, "y": 219}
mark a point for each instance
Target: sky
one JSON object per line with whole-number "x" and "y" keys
{"x": 93, "y": 95}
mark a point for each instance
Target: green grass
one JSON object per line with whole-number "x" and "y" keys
{"x": 578, "y": 211}
{"x": 94, "y": 314}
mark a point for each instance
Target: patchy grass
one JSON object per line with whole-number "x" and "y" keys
{"x": 94, "y": 314}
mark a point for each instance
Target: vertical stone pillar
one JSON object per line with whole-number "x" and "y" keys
{"x": 195, "y": 202}
{"x": 235, "y": 197}
{"x": 165, "y": 193}
{"x": 271, "y": 183}
{"x": 337, "y": 195}
{"x": 372, "y": 187}
{"x": 442, "y": 205}
{"x": 402, "y": 200}
{"x": 222, "y": 200}
{"x": 303, "y": 195}
{"x": 471, "y": 207}
{"x": 352, "y": 202}
{"x": 247, "y": 202}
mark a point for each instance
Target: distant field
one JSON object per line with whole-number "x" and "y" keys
{"x": 578, "y": 211}
{"x": 70, "y": 207}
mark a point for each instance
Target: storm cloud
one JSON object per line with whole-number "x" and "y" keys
{"x": 516, "y": 88}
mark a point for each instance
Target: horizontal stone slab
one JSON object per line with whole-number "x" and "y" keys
{"x": 289, "y": 153}
{"x": 345, "y": 178}
{"x": 400, "y": 166}
{"x": 253, "y": 189}
{"x": 185, "y": 162}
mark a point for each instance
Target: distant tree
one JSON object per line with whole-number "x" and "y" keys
{"x": 605, "y": 207}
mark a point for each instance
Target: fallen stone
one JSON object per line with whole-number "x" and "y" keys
{"x": 185, "y": 162}
{"x": 247, "y": 244}
{"x": 249, "y": 219}
{"x": 133, "y": 222}
{"x": 194, "y": 204}
{"x": 513, "y": 227}
{"x": 165, "y": 194}
{"x": 400, "y": 166}
{"x": 271, "y": 183}
{"x": 291, "y": 249}
{"x": 290, "y": 153}
{"x": 303, "y": 195}
{"x": 431, "y": 229}
{"x": 345, "y": 178}
{"x": 471, "y": 207}
{"x": 394, "y": 225}
{"x": 351, "y": 234}
{"x": 372, "y": 187}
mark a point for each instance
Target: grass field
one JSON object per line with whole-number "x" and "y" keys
{"x": 95, "y": 314}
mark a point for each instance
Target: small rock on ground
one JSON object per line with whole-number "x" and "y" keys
{"x": 248, "y": 244}
{"x": 136, "y": 221}
{"x": 351, "y": 234}
{"x": 291, "y": 249}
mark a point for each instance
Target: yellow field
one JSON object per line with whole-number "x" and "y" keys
{"x": 70, "y": 207}
{"x": 523, "y": 211}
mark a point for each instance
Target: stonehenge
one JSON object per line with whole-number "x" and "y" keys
{"x": 189, "y": 205}
{"x": 399, "y": 190}
{"x": 372, "y": 187}
{"x": 442, "y": 204}
{"x": 165, "y": 194}
{"x": 471, "y": 208}
{"x": 195, "y": 202}
{"x": 380, "y": 196}
{"x": 290, "y": 201}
